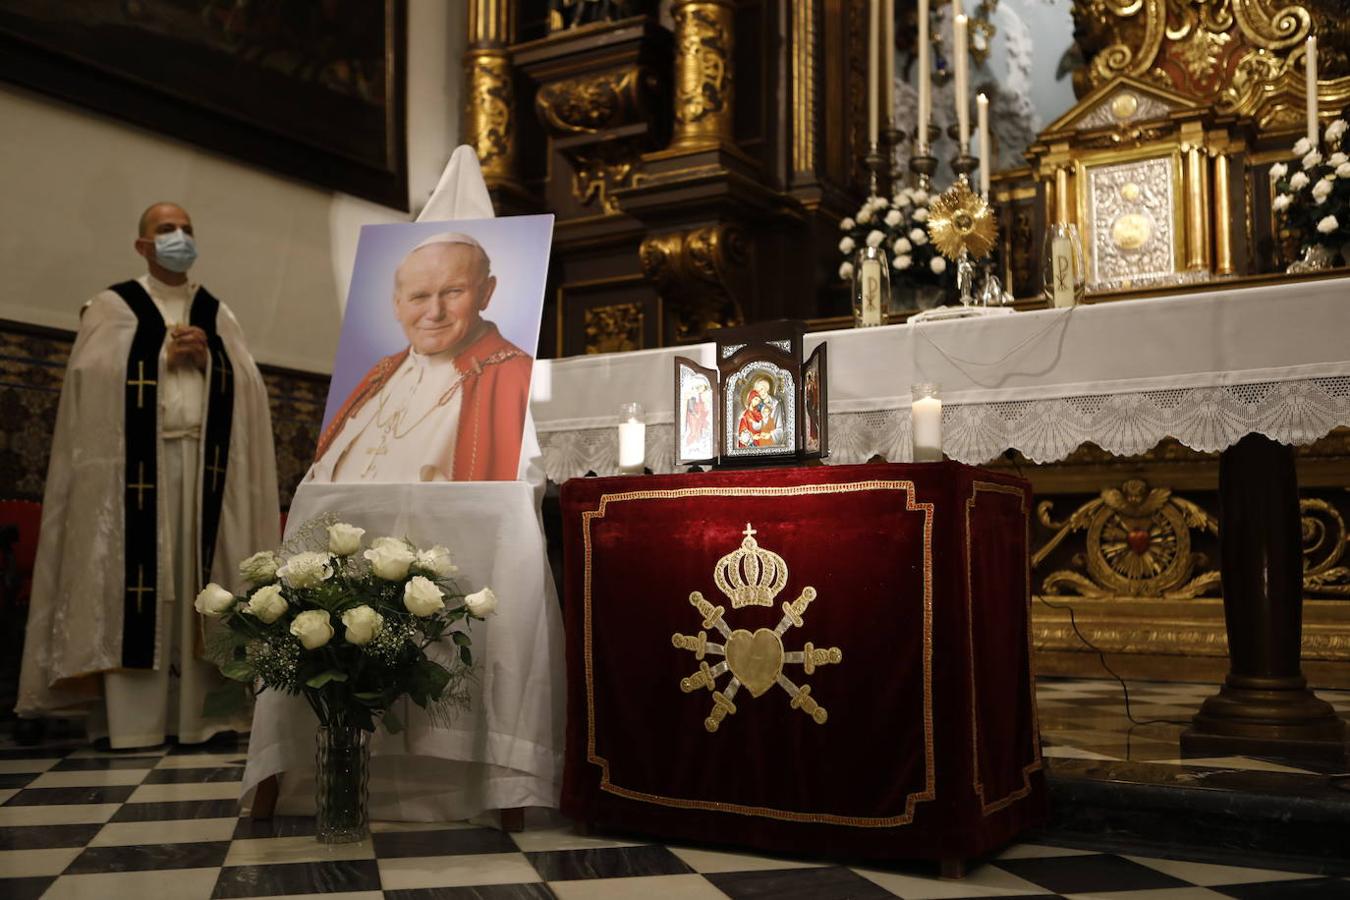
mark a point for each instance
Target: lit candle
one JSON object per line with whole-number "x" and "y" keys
{"x": 925, "y": 86}
{"x": 925, "y": 417}
{"x": 632, "y": 439}
{"x": 888, "y": 61}
{"x": 961, "y": 54}
{"x": 873, "y": 70}
{"x": 986, "y": 156}
{"x": 1312, "y": 92}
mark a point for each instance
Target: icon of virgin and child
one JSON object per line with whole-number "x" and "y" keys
{"x": 760, "y": 424}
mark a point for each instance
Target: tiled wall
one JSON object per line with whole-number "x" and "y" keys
{"x": 32, "y": 364}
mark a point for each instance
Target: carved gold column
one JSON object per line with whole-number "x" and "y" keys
{"x": 704, "y": 36}
{"x": 490, "y": 101}
{"x": 1223, "y": 214}
{"x": 1197, "y": 257}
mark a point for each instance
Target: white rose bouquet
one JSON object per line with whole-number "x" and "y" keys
{"x": 899, "y": 226}
{"x": 349, "y": 630}
{"x": 1312, "y": 191}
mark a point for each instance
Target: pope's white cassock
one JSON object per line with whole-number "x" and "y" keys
{"x": 159, "y": 481}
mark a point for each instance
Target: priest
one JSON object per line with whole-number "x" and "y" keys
{"x": 162, "y": 477}
{"x": 451, "y": 405}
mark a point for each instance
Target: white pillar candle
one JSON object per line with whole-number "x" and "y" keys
{"x": 632, "y": 439}
{"x": 925, "y": 85}
{"x": 873, "y": 71}
{"x": 961, "y": 53}
{"x": 925, "y": 416}
{"x": 888, "y": 61}
{"x": 1312, "y": 92}
{"x": 985, "y": 151}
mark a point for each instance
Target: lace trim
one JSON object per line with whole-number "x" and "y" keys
{"x": 1208, "y": 419}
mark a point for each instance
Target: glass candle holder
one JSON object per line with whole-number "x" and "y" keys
{"x": 632, "y": 439}
{"x": 925, "y": 418}
{"x": 871, "y": 287}
{"x": 1062, "y": 269}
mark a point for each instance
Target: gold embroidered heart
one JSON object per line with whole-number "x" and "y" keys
{"x": 756, "y": 659}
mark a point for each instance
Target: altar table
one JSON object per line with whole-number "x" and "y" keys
{"x": 816, "y": 661}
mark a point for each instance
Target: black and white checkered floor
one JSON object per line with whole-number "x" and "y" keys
{"x": 164, "y": 824}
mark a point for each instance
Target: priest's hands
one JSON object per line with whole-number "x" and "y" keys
{"x": 187, "y": 347}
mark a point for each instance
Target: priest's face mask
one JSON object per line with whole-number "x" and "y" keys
{"x": 167, "y": 237}
{"x": 440, "y": 292}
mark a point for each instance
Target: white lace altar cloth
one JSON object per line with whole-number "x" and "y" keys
{"x": 1204, "y": 368}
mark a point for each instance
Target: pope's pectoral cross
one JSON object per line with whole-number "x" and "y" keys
{"x": 141, "y": 589}
{"x": 140, "y": 487}
{"x": 376, "y": 452}
{"x": 140, "y": 383}
{"x": 216, "y": 470}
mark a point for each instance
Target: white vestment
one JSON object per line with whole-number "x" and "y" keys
{"x": 74, "y": 628}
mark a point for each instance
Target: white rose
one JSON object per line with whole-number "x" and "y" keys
{"x": 362, "y": 624}
{"x": 847, "y": 224}
{"x": 920, "y": 215}
{"x": 260, "y": 567}
{"x": 344, "y": 539}
{"x": 1328, "y": 225}
{"x": 845, "y": 271}
{"x": 313, "y": 627}
{"x": 902, "y": 245}
{"x": 1337, "y": 159}
{"x": 864, "y": 216}
{"x": 938, "y": 265}
{"x": 879, "y": 203}
{"x": 1279, "y": 170}
{"x": 214, "y": 601}
{"x": 436, "y": 561}
{"x": 1312, "y": 159}
{"x": 1336, "y": 130}
{"x": 1303, "y": 147}
{"x": 893, "y": 218}
{"x": 902, "y": 262}
{"x": 390, "y": 559}
{"x": 874, "y": 238}
{"x": 903, "y": 198}
{"x": 919, "y": 237}
{"x": 422, "y": 598}
{"x": 1282, "y": 202}
{"x": 267, "y": 604}
{"x": 920, "y": 196}
{"x": 306, "y": 569}
{"x": 1322, "y": 190}
{"x": 846, "y": 245}
{"x": 481, "y": 603}
{"x": 1343, "y": 170}
{"x": 1298, "y": 181}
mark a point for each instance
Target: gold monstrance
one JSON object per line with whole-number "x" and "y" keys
{"x": 962, "y": 227}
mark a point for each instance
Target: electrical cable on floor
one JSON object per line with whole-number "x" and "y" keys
{"x": 1073, "y": 621}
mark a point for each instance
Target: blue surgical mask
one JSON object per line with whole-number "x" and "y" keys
{"x": 175, "y": 251}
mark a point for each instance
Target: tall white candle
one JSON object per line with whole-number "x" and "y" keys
{"x": 925, "y": 85}
{"x": 925, "y": 416}
{"x": 888, "y": 61}
{"x": 960, "y": 53}
{"x": 1312, "y": 92}
{"x": 632, "y": 446}
{"x": 985, "y": 151}
{"x": 873, "y": 72}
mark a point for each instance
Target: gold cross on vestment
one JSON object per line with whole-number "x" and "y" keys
{"x": 375, "y": 453}
{"x": 224, "y": 372}
{"x": 140, "y": 487}
{"x": 141, "y": 589}
{"x": 140, "y": 383}
{"x": 216, "y": 470}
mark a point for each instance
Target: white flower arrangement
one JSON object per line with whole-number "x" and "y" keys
{"x": 1315, "y": 200}
{"x": 896, "y": 226}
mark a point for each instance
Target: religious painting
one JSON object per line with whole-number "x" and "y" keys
{"x": 311, "y": 90}
{"x": 432, "y": 376}
{"x": 695, "y": 412}
{"x": 760, "y": 401}
{"x": 815, "y": 424}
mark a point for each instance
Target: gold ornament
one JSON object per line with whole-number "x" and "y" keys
{"x": 961, "y": 221}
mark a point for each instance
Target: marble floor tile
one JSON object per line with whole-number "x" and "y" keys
{"x": 277, "y": 826}
{"x": 607, "y": 862}
{"x": 183, "y": 809}
{"x": 986, "y": 881}
{"x": 206, "y": 775}
{"x": 300, "y": 849}
{"x": 1181, "y": 893}
{"x": 1208, "y": 875}
{"x": 202, "y": 760}
{"x": 17, "y": 780}
{"x": 61, "y": 814}
{"x": 44, "y": 837}
{"x": 91, "y": 753}
{"x": 81, "y": 796}
{"x": 447, "y": 842}
{"x": 16, "y": 766}
{"x": 1069, "y": 752}
{"x": 149, "y": 856}
{"x": 172, "y": 793}
{"x": 651, "y": 887}
{"x": 706, "y": 861}
{"x": 7, "y": 793}
{"x": 298, "y": 878}
{"x": 178, "y": 884}
{"x": 1088, "y": 874}
{"x": 565, "y": 839}
{"x": 1311, "y": 889}
{"x": 78, "y": 764}
{"x": 799, "y": 884}
{"x": 536, "y": 890}
{"x": 104, "y": 778}
{"x": 1246, "y": 763}
{"x": 377, "y": 827}
{"x": 25, "y": 888}
{"x": 432, "y": 871}
{"x": 1041, "y": 851}
{"x": 31, "y": 863}
{"x": 118, "y": 834}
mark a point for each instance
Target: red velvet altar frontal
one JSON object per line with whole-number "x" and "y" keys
{"x": 826, "y": 661}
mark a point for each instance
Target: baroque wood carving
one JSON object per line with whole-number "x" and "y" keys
{"x": 697, "y": 269}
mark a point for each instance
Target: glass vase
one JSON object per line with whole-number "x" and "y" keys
{"x": 341, "y": 777}
{"x": 1062, "y": 269}
{"x": 1316, "y": 258}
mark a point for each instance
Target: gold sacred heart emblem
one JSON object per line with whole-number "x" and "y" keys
{"x": 756, "y": 659}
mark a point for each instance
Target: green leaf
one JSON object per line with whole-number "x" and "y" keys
{"x": 392, "y": 723}
{"x": 225, "y": 700}
{"x": 238, "y": 670}
{"x": 323, "y": 678}
{"x": 465, "y": 656}
{"x": 460, "y": 638}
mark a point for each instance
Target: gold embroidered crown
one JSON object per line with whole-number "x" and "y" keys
{"x": 751, "y": 576}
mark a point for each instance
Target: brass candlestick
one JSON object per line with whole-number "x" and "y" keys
{"x": 962, "y": 163}
{"x": 873, "y": 160}
{"x": 893, "y": 136}
{"x": 922, "y": 162}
